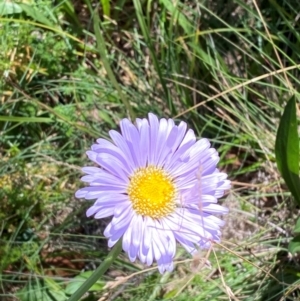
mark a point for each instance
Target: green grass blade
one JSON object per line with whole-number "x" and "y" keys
{"x": 116, "y": 250}
{"x": 287, "y": 149}
{"x": 146, "y": 34}
{"x": 25, "y": 119}
{"x": 106, "y": 7}
{"x": 182, "y": 20}
{"x": 69, "y": 9}
{"x": 102, "y": 51}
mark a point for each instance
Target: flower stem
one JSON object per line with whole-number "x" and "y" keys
{"x": 116, "y": 250}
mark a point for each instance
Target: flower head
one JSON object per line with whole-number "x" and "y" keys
{"x": 160, "y": 185}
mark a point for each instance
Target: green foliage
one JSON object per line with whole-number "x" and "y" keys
{"x": 9, "y": 8}
{"x": 294, "y": 245}
{"x": 46, "y": 290}
{"x": 287, "y": 157}
{"x": 71, "y": 70}
{"x": 77, "y": 282}
{"x": 287, "y": 149}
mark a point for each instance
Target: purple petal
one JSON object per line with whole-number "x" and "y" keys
{"x": 132, "y": 137}
{"x": 154, "y": 125}
{"x": 144, "y": 142}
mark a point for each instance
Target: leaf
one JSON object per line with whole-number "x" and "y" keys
{"x": 76, "y": 282}
{"x": 287, "y": 149}
{"x": 171, "y": 294}
{"x": 294, "y": 245}
{"x": 9, "y": 8}
{"x": 297, "y": 227}
{"x": 35, "y": 14}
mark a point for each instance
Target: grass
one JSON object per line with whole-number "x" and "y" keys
{"x": 70, "y": 71}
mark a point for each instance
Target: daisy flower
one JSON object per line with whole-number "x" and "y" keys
{"x": 160, "y": 185}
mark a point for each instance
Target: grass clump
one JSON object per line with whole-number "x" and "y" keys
{"x": 71, "y": 70}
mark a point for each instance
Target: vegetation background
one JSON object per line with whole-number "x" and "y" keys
{"x": 70, "y": 70}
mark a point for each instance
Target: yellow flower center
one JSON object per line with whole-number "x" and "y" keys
{"x": 152, "y": 192}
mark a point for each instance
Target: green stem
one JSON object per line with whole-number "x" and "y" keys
{"x": 116, "y": 250}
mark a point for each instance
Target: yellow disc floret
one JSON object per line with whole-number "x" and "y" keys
{"x": 152, "y": 192}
